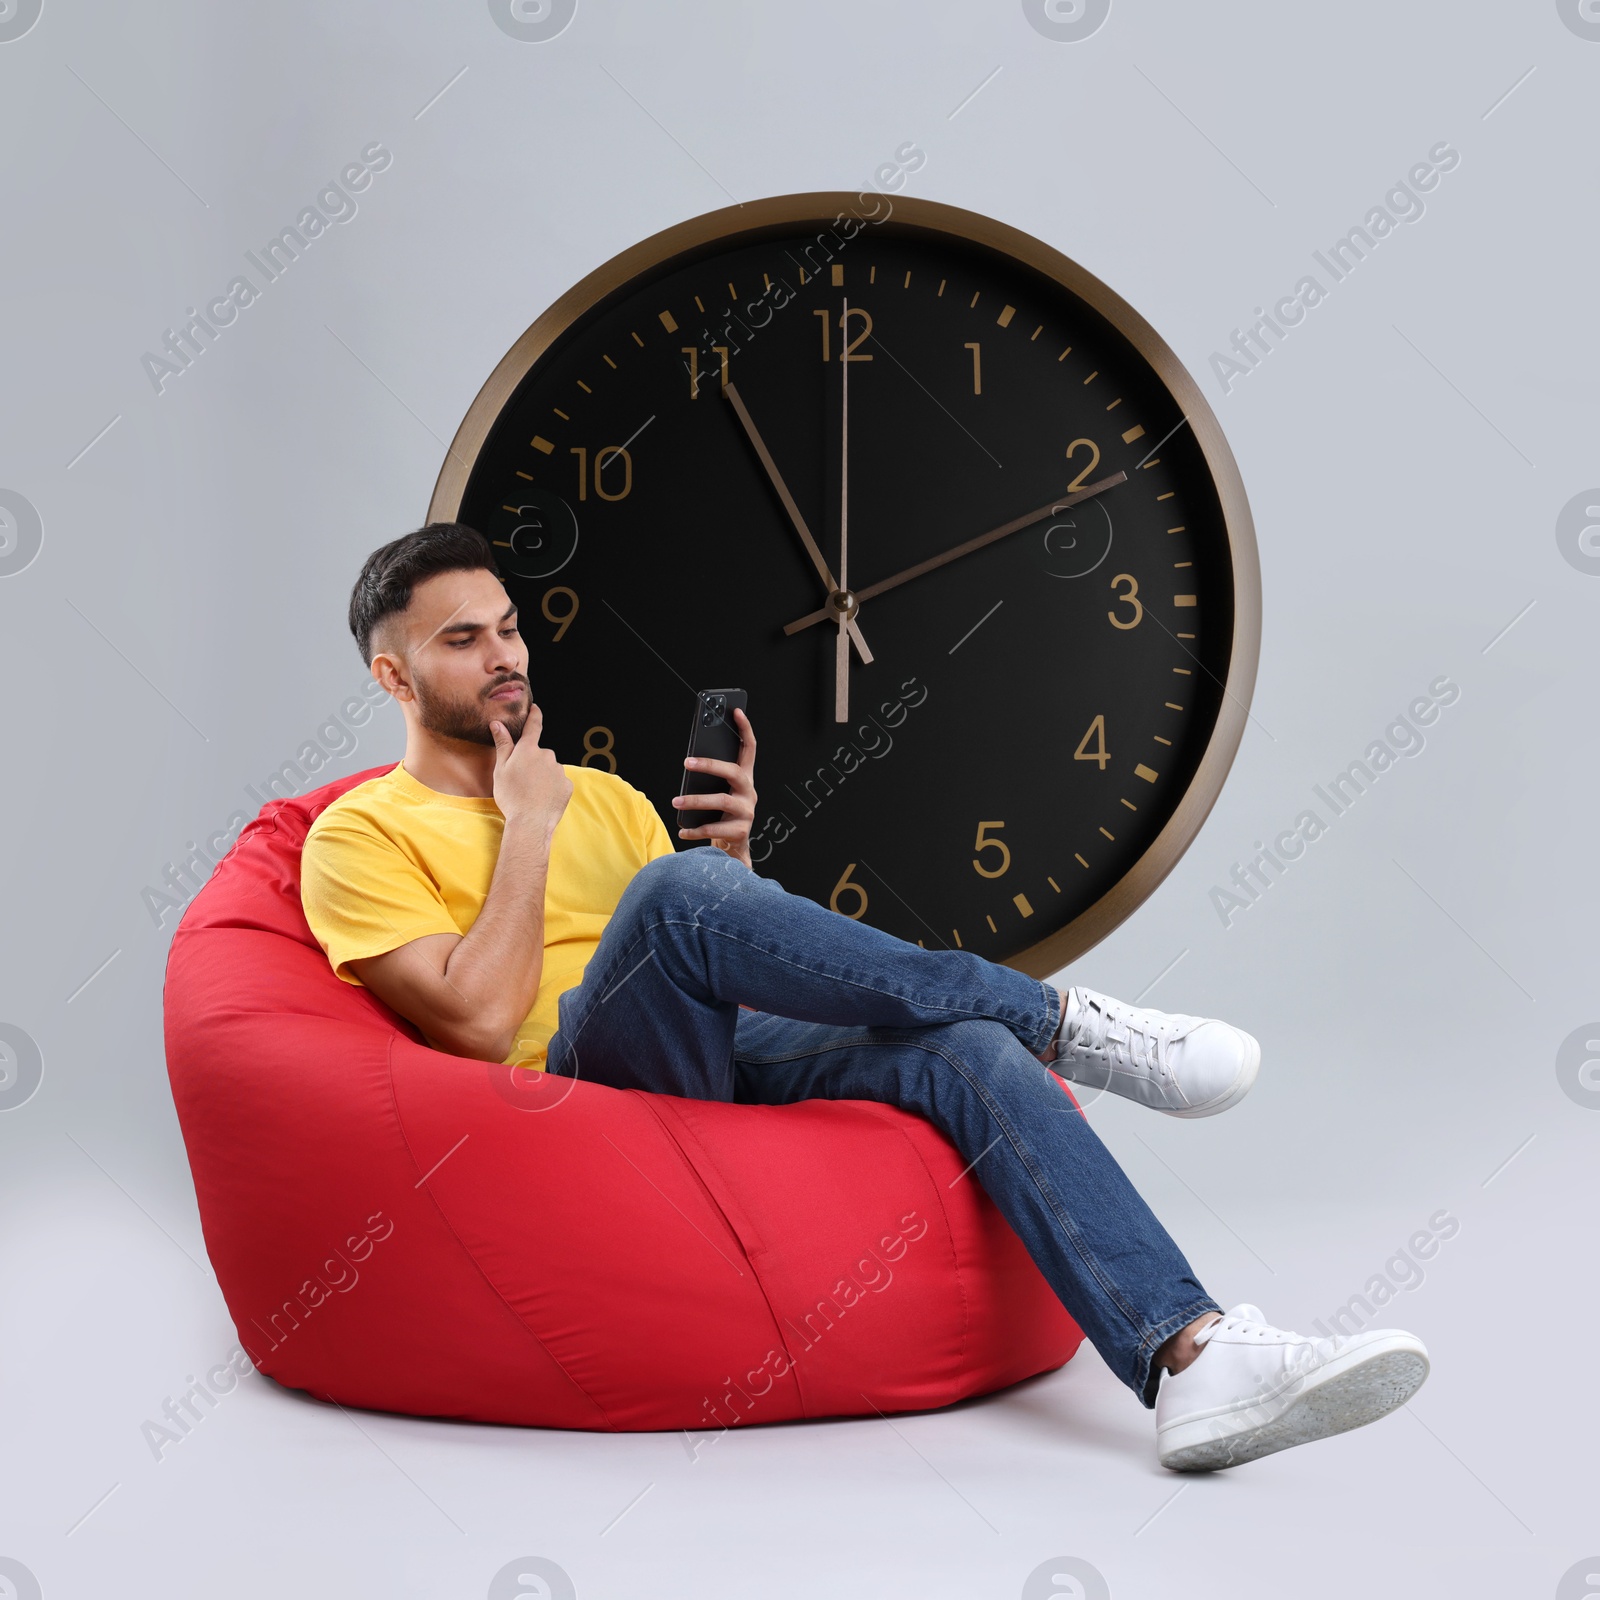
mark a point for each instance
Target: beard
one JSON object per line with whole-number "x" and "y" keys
{"x": 467, "y": 719}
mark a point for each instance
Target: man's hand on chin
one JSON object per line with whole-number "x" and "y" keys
{"x": 731, "y": 834}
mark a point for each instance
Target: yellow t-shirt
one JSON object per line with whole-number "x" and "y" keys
{"x": 392, "y": 860}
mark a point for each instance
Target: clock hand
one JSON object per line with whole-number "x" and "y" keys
{"x": 776, "y": 477}
{"x": 841, "y": 655}
{"x": 812, "y": 617}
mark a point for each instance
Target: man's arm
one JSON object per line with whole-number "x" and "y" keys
{"x": 470, "y": 993}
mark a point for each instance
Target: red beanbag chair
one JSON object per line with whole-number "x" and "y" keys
{"x": 404, "y": 1230}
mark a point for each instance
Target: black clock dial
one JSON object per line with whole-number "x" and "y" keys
{"x": 1036, "y": 711}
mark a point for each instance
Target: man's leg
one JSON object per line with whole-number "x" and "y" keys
{"x": 695, "y": 935}
{"x": 658, "y": 1009}
{"x": 1099, "y": 1246}
{"x": 860, "y": 1014}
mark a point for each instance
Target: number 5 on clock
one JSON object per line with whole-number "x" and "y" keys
{"x": 984, "y": 842}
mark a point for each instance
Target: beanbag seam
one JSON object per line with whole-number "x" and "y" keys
{"x": 949, "y": 1232}
{"x": 677, "y": 1134}
{"x": 494, "y": 1288}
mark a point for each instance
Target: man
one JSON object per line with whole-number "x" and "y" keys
{"x": 523, "y": 911}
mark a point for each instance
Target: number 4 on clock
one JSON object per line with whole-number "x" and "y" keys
{"x": 1096, "y": 751}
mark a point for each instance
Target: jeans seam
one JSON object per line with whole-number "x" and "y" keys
{"x": 956, "y": 1013}
{"x": 1054, "y": 1006}
{"x": 570, "y": 1044}
{"x": 1046, "y": 1191}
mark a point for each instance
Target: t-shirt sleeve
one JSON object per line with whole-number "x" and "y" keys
{"x": 363, "y": 896}
{"x": 654, "y": 840}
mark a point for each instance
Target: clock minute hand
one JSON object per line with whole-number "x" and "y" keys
{"x": 1085, "y": 493}
{"x": 771, "y": 468}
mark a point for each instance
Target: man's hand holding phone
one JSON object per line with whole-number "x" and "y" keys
{"x": 730, "y": 833}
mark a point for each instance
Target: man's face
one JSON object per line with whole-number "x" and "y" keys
{"x": 467, "y": 663}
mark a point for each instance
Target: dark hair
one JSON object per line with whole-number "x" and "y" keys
{"x": 393, "y": 571}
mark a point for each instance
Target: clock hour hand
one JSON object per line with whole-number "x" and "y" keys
{"x": 1027, "y": 520}
{"x": 771, "y": 468}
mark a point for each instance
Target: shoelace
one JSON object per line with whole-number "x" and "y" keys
{"x": 1134, "y": 1049}
{"x": 1303, "y": 1351}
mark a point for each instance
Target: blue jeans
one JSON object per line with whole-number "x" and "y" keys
{"x": 844, "y": 1011}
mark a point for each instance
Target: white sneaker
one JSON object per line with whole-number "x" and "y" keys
{"x": 1254, "y": 1389}
{"x": 1185, "y": 1066}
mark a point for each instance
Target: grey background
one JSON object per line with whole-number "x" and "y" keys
{"x": 1407, "y": 452}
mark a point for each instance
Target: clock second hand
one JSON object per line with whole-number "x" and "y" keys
{"x": 813, "y": 617}
{"x": 841, "y": 655}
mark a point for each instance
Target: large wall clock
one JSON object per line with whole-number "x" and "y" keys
{"x": 944, "y": 504}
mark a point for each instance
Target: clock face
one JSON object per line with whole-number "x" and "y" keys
{"x": 1046, "y": 718}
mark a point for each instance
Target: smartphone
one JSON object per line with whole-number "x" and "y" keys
{"x": 713, "y": 735}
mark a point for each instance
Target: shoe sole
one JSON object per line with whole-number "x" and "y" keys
{"x": 1242, "y": 1085}
{"x": 1366, "y": 1386}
